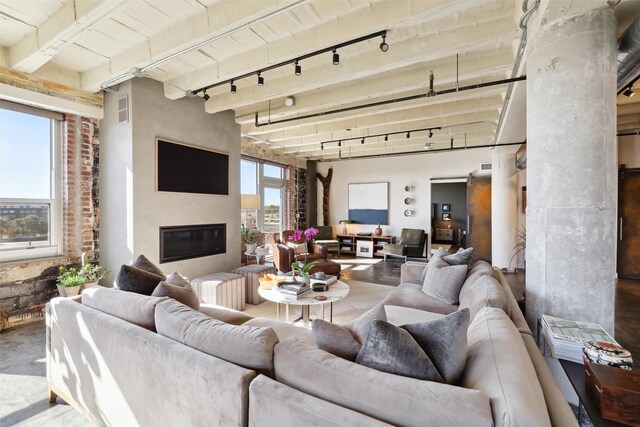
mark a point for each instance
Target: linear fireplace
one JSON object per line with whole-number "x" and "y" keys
{"x": 192, "y": 241}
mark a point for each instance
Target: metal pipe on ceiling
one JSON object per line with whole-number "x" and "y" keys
{"x": 629, "y": 56}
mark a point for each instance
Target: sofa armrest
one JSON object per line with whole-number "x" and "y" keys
{"x": 318, "y": 250}
{"x": 225, "y": 314}
{"x": 411, "y": 272}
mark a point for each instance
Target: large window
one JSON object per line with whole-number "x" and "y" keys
{"x": 266, "y": 181}
{"x": 30, "y": 218}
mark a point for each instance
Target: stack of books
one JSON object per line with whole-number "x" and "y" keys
{"x": 328, "y": 280}
{"x": 293, "y": 289}
{"x": 566, "y": 338}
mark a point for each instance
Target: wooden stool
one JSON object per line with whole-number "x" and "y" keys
{"x": 251, "y": 274}
{"x": 225, "y": 289}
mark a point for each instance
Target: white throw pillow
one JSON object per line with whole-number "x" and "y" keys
{"x": 444, "y": 281}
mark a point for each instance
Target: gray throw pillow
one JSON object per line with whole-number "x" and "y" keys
{"x": 393, "y": 350}
{"x": 440, "y": 252}
{"x": 444, "y": 340}
{"x": 143, "y": 263}
{"x": 133, "y": 279}
{"x": 178, "y": 279}
{"x": 462, "y": 257}
{"x": 443, "y": 281}
{"x": 345, "y": 341}
{"x": 183, "y": 294}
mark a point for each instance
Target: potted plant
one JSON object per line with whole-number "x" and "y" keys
{"x": 71, "y": 281}
{"x": 521, "y": 246}
{"x": 303, "y": 269}
{"x": 248, "y": 238}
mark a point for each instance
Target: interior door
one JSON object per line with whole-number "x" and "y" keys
{"x": 479, "y": 217}
{"x": 629, "y": 223}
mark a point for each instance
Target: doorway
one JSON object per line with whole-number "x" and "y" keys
{"x": 629, "y": 223}
{"x": 448, "y": 214}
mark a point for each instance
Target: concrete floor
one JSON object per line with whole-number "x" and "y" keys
{"x": 23, "y": 385}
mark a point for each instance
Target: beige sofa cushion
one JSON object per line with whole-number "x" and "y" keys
{"x": 390, "y": 398}
{"x": 227, "y": 315}
{"x": 411, "y": 295}
{"x": 130, "y": 306}
{"x": 398, "y": 315}
{"x": 484, "y": 292}
{"x": 283, "y": 330}
{"x": 248, "y": 346}
{"x": 480, "y": 268}
{"x": 498, "y": 364}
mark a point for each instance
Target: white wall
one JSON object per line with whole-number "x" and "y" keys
{"x": 185, "y": 121}
{"x": 398, "y": 171}
{"x": 629, "y": 151}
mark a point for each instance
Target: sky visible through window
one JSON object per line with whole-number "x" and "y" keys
{"x": 25, "y": 156}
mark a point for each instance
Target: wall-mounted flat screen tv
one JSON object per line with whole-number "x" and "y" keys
{"x": 185, "y": 169}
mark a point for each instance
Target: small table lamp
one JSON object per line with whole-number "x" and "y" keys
{"x": 344, "y": 223}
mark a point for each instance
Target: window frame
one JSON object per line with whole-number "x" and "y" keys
{"x": 54, "y": 247}
{"x": 263, "y": 181}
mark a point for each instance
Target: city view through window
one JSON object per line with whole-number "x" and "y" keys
{"x": 265, "y": 180}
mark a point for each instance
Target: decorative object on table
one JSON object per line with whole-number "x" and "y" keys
{"x": 446, "y": 216}
{"x": 293, "y": 289}
{"x": 446, "y": 207}
{"x": 344, "y": 223}
{"x": 378, "y": 230}
{"x": 616, "y": 392}
{"x": 71, "y": 281}
{"x": 606, "y": 353}
{"x": 320, "y": 298}
{"x": 249, "y": 238}
{"x": 567, "y": 337}
{"x": 319, "y": 287}
{"x": 270, "y": 280}
{"x": 408, "y": 213}
{"x": 369, "y": 203}
{"x": 303, "y": 269}
{"x": 364, "y": 248}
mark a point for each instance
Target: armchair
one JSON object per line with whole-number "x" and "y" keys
{"x": 326, "y": 239}
{"x": 411, "y": 244}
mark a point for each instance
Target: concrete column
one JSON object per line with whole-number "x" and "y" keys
{"x": 504, "y": 209}
{"x": 571, "y": 168}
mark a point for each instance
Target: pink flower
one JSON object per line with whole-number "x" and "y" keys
{"x": 297, "y": 235}
{"x": 310, "y": 232}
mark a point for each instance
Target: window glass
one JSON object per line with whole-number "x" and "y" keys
{"x": 272, "y": 209}
{"x": 272, "y": 171}
{"x": 248, "y": 177}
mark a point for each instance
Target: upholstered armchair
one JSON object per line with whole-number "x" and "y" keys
{"x": 411, "y": 244}
{"x": 284, "y": 253}
{"x": 325, "y": 238}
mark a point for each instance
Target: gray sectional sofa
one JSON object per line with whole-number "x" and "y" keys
{"x": 127, "y": 359}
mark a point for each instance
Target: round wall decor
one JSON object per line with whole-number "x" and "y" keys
{"x": 408, "y": 212}
{"x": 408, "y": 201}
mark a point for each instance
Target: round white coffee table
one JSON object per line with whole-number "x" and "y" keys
{"x": 336, "y": 292}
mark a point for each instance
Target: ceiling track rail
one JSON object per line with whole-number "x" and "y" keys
{"x": 410, "y": 153}
{"x": 390, "y": 101}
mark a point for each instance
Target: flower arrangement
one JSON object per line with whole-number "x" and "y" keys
{"x": 303, "y": 269}
{"x": 309, "y": 233}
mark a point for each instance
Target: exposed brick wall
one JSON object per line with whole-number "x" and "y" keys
{"x": 25, "y": 287}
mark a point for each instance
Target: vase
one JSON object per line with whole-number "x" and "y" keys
{"x": 251, "y": 247}
{"x": 88, "y": 285}
{"x": 306, "y": 278}
{"x": 378, "y": 231}
{"x": 68, "y": 291}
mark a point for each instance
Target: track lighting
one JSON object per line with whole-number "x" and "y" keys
{"x": 233, "y": 87}
{"x": 260, "y": 79}
{"x": 384, "y": 46}
{"x": 386, "y": 138}
{"x": 451, "y": 142}
{"x": 322, "y": 146}
{"x": 339, "y": 143}
{"x": 628, "y": 92}
{"x": 206, "y": 96}
{"x": 428, "y": 146}
{"x": 430, "y": 133}
{"x": 298, "y": 68}
{"x": 408, "y": 134}
{"x": 362, "y": 141}
{"x": 431, "y": 91}
{"x": 336, "y": 57}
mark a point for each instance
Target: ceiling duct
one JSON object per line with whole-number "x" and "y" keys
{"x": 629, "y": 56}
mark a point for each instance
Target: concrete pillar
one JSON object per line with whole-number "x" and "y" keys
{"x": 571, "y": 168}
{"x": 504, "y": 209}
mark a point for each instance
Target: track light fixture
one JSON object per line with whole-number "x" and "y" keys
{"x": 628, "y": 92}
{"x": 322, "y": 145}
{"x": 339, "y": 143}
{"x": 362, "y": 141}
{"x": 430, "y": 133}
{"x": 233, "y": 87}
{"x": 296, "y": 61}
{"x": 431, "y": 91}
{"x": 408, "y": 135}
{"x": 386, "y": 138}
{"x": 384, "y": 46}
{"x": 206, "y": 96}
{"x": 451, "y": 142}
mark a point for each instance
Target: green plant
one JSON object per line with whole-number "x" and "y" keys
{"x": 303, "y": 268}
{"x": 246, "y": 235}
{"x": 521, "y": 246}
{"x": 68, "y": 277}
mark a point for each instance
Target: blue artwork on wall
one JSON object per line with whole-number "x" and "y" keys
{"x": 369, "y": 203}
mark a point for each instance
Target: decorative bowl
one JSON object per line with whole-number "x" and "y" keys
{"x": 606, "y": 353}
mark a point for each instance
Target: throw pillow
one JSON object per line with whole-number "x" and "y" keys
{"x": 444, "y": 340}
{"x": 183, "y": 294}
{"x": 178, "y": 279}
{"x": 462, "y": 257}
{"x": 299, "y": 248}
{"x": 143, "y": 263}
{"x": 345, "y": 341}
{"x": 440, "y": 252}
{"x": 133, "y": 279}
{"x": 443, "y": 281}
{"x": 393, "y": 350}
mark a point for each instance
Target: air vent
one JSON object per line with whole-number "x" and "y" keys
{"x": 123, "y": 109}
{"x": 485, "y": 166}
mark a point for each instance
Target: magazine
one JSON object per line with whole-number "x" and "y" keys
{"x": 566, "y": 338}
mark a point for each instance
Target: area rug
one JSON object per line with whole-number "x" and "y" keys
{"x": 362, "y": 297}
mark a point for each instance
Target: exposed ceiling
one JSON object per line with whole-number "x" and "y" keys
{"x": 190, "y": 44}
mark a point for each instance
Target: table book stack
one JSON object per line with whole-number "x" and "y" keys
{"x": 293, "y": 289}
{"x": 566, "y": 337}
